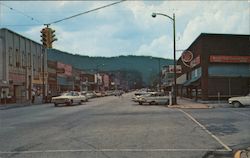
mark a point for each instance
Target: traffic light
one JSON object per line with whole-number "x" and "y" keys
{"x": 48, "y": 37}
{"x": 52, "y": 37}
{"x": 45, "y": 37}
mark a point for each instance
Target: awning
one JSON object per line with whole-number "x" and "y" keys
{"x": 192, "y": 82}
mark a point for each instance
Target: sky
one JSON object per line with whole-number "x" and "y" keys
{"x": 126, "y": 28}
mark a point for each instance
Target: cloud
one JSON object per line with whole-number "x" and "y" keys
{"x": 219, "y": 17}
{"x": 128, "y": 28}
{"x": 160, "y": 47}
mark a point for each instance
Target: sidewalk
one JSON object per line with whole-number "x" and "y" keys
{"x": 185, "y": 103}
{"x": 38, "y": 101}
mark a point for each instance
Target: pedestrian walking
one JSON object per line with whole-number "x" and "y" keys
{"x": 33, "y": 96}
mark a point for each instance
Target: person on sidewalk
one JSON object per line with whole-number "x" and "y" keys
{"x": 33, "y": 96}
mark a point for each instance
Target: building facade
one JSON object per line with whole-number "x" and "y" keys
{"x": 52, "y": 77}
{"x": 23, "y": 66}
{"x": 65, "y": 80}
{"x": 219, "y": 67}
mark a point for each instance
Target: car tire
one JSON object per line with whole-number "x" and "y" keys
{"x": 55, "y": 104}
{"x": 236, "y": 104}
{"x": 70, "y": 103}
{"x": 140, "y": 103}
{"x": 80, "y": 103}
{"x": 152, "y": 103}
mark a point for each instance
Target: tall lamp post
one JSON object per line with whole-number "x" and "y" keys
{"x": 173, "y": 20}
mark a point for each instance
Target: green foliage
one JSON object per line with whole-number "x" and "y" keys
{"x": 147, "y": 66}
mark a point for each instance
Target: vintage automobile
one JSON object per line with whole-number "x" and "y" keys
{"x": 138, "y": 95}
{"x": 154, "y": 98}
{"x": 69, "y": 98}
{"x": 240, "y": 101}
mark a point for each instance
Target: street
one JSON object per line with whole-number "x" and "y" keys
{"x": 116, "y": 127}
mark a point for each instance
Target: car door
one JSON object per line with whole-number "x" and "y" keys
{"x": 78, "y": 97}
{"x": 246, "y": 100}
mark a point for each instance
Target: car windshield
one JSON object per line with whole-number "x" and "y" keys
{"x": 124, "y": 78}
{"x": 67, "y": 94}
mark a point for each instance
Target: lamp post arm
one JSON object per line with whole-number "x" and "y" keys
{"x": 165, "y": 15}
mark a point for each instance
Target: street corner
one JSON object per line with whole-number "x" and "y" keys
{"x": 224, "y": 105}
{"x": 242, "y": 153}
{"x": 191, "y": 106}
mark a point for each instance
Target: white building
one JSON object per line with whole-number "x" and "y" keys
{"x": 21, "y": 66}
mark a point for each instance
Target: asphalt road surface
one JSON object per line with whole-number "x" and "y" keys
{"x": 114, "y": 127}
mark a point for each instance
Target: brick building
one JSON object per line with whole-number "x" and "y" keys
{"x": 219, "y": 69}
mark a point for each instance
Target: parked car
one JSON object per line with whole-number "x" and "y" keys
{"x": 98, "y": 94}
{"x": 154, "y": 98}
{"x": 90, "y": 95}
{"x": 240, "y": 101}
{"x": 138, "y": 95}
{"x": 69, "y": 98}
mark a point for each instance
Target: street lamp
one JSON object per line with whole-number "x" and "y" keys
{"x": 173, "y": 19}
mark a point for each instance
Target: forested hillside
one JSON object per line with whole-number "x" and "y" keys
{"x": 147, "y": 66}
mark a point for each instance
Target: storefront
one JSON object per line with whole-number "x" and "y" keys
{"x": 216, "y": 66}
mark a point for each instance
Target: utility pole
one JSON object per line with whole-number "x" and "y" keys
{"x": 48, "y": 37}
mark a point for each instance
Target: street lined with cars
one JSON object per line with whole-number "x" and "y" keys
{"x": 115, "y": 126}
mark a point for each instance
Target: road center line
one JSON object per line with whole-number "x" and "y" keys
{"x": 205, "y": 129}
{"x": 109, "y": 150}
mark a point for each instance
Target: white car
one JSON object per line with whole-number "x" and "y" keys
{"x": 138, "y": 95}
{"x": 154, "y": 98}
{"x": 69, "y": 98}
{"x": 240, "y": 101}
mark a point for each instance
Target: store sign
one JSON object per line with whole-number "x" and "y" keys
{"x": 229, "y": 59}
{"x": 17, "y": 77}
{"x": 171, "y": 68}
{"x": 67, "y": 69}
{"x": 186, "y": 56}
{"x": 188, "y": 60}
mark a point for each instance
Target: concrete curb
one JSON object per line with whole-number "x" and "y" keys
{"x": 12, "y": 106}
{"x": 188, "y": 107}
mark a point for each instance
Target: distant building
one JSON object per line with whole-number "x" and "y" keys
{"x": 52, "y": 77}
{"x": 65, "y": 80}
{"x": 21, "y": 66}
{"x": 76, "y": 76}
{"x": 219, "y": 67}
{"x": 106, "y": 81}
{"x": 88, "y": 81}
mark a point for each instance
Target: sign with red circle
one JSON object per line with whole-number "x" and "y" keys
{"x": 187, "y": 56}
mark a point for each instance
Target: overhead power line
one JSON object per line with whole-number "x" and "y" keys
{"x": 24, "y": 25}
{"x": 20, "y": 12}
{"x": 92, "y": 10}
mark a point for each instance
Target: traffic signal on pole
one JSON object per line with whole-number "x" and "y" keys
{"x": 45, "y": 37}
{"x": 48, "y": 37}
{"x": 52, "y": 37}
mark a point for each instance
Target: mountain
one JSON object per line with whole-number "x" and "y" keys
{"x": 147, "y": 66}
